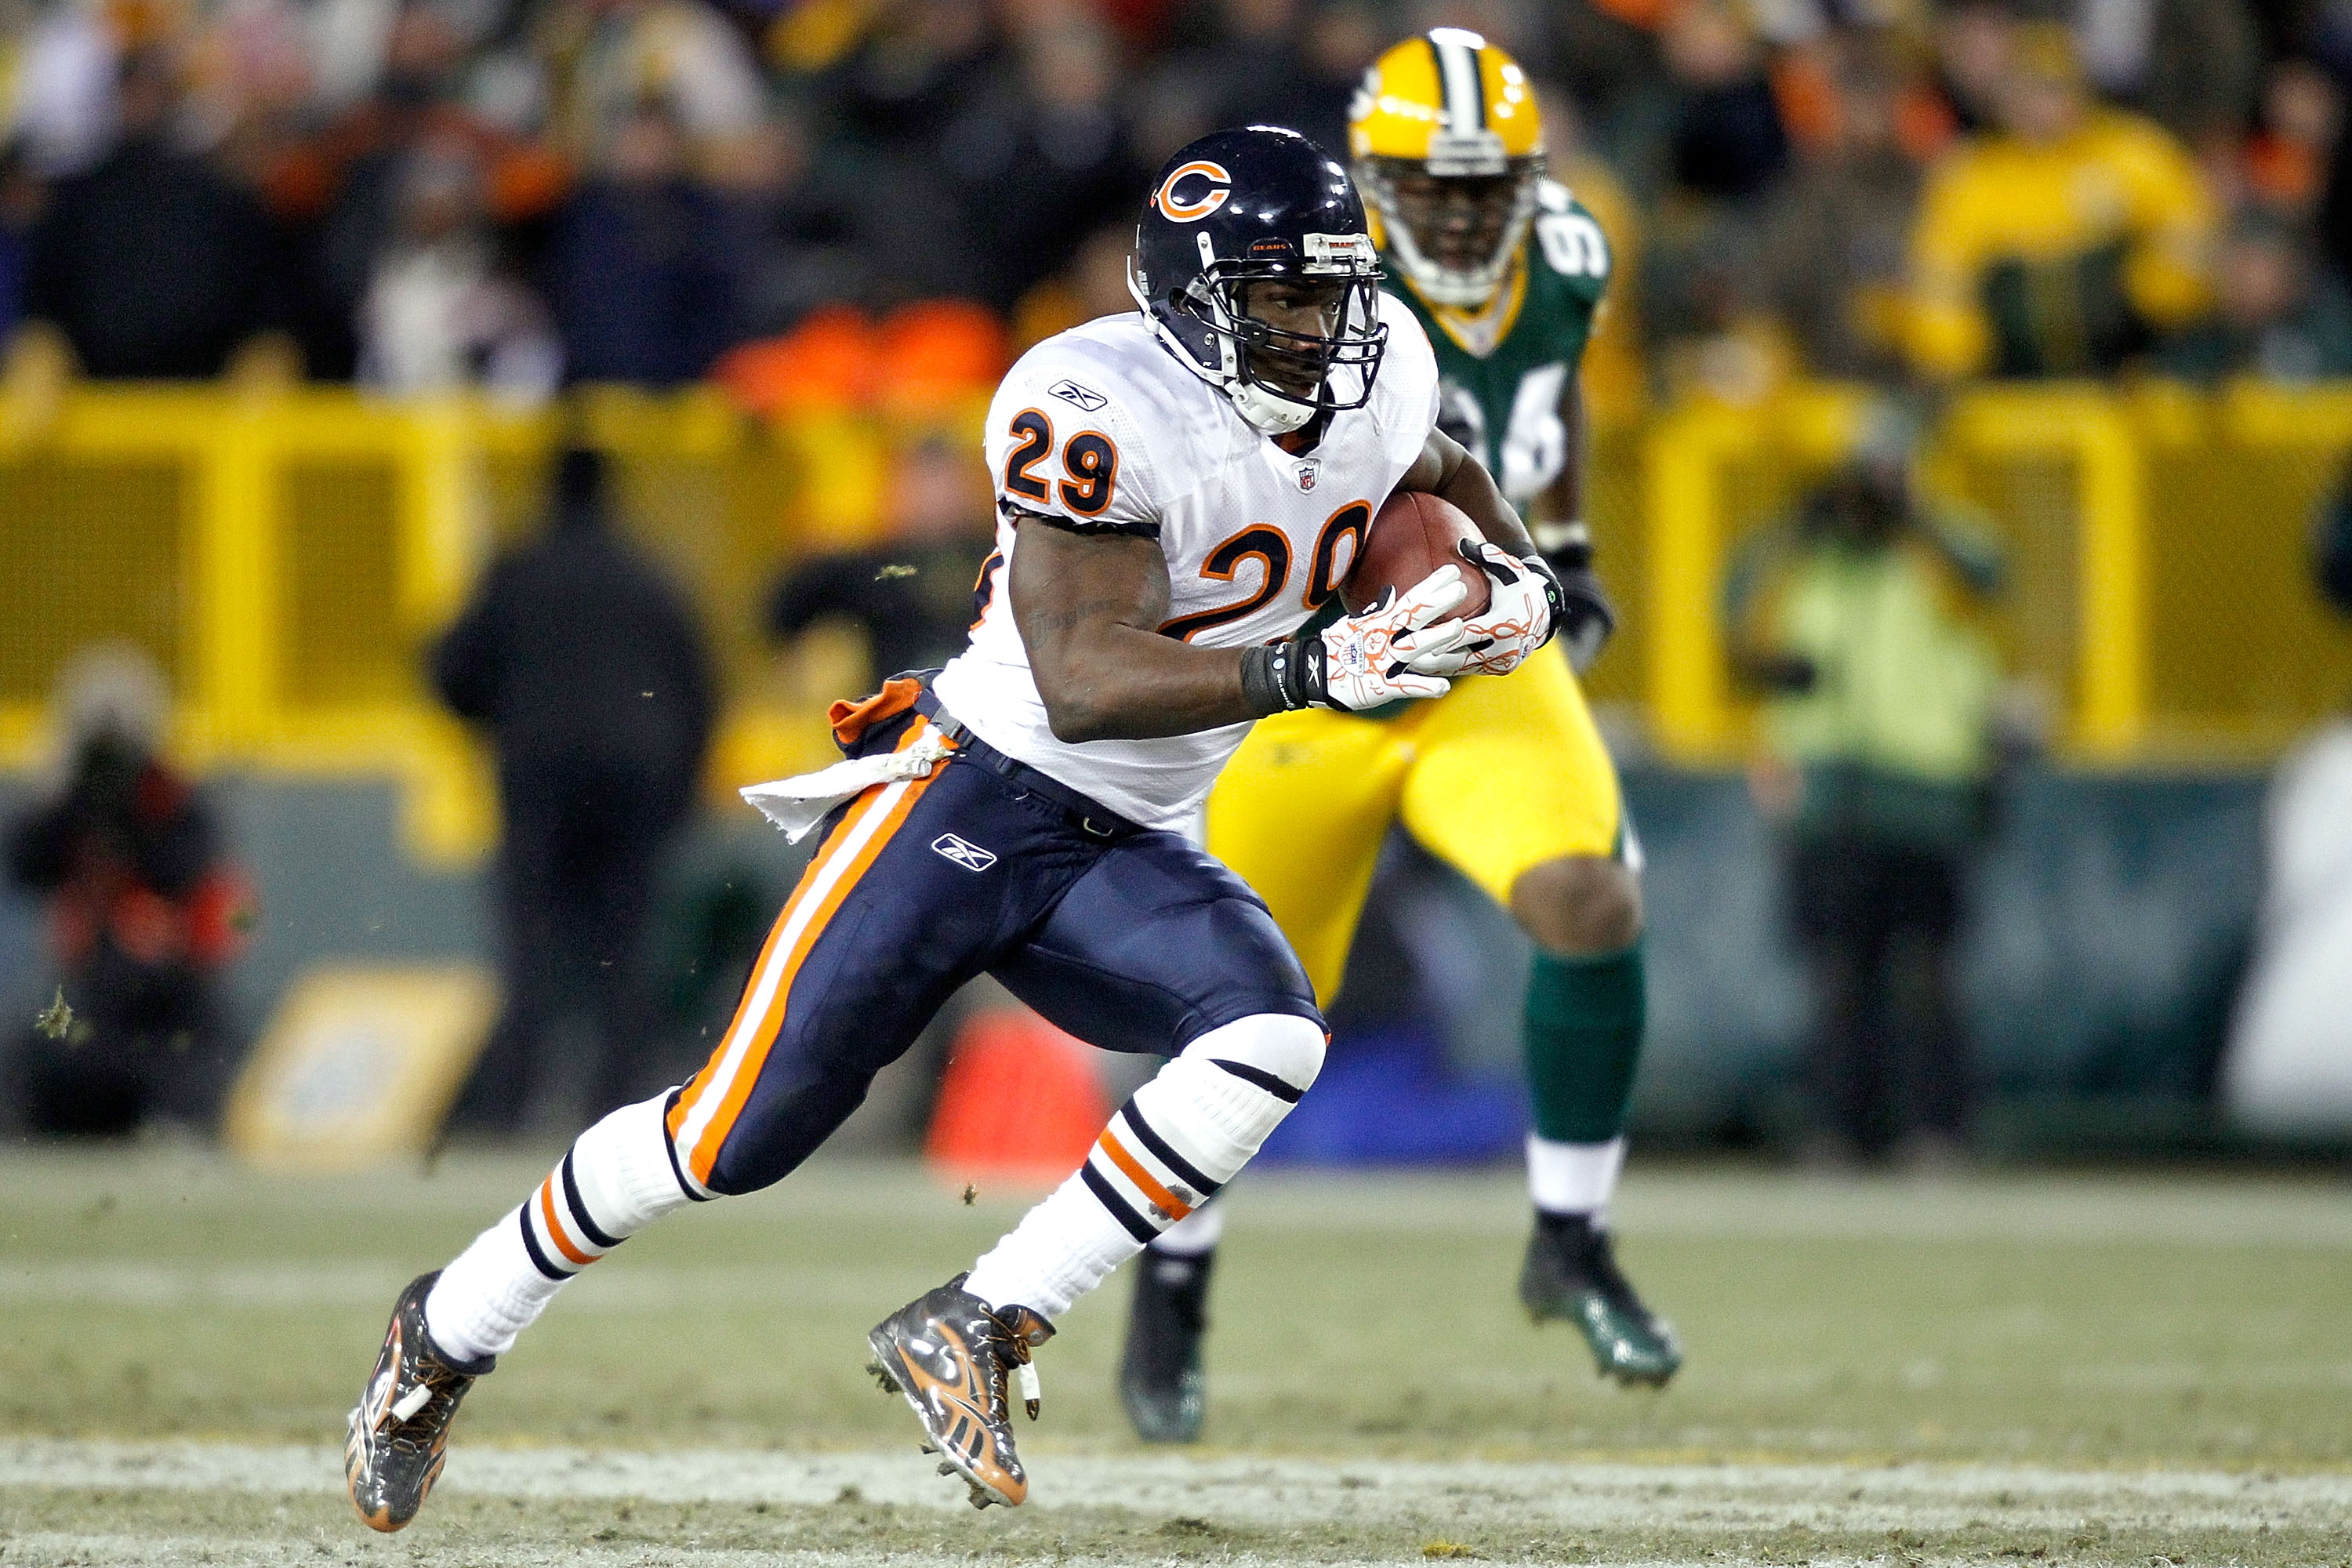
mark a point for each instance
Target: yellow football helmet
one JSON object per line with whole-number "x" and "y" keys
{"x": 1448, "y": 148}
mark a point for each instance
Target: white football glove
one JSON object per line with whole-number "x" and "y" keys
{"x": 1400, "y": 646}
{"x": 1522, "y": 610}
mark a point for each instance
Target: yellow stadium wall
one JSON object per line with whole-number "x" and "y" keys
{"x": 287, "y": 558}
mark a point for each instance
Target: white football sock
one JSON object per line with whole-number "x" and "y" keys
{"x": 616, "y": 1180}
{"x": 1574, "y": 1178}
{"x": 1166, "y": 1152}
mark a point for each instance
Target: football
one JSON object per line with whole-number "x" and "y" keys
{"x": 1412, "y": 535}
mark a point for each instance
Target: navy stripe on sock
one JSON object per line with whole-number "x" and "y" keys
{"x": 1176, "y": 1164}
{"x": 579, "y": 1210}
{"x": 670, "y": 1147}
{"x": 1134, "y": 1224}
{"x": 1260, "y": 1077}
{"x": 530, "y": 1245}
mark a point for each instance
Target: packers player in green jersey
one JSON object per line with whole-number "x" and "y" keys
{"x": 1505, "y": 777}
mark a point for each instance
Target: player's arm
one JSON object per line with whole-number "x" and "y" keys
{"x": 1557, "y": 518}
{"x": 1089, "y": 606}
{"x": 1557, "y": 523}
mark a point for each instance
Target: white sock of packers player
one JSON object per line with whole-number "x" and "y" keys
{"x": 1181, "y": 1138}
{"x": 1574, "y": 1178}
{"x": 617, "y": 1178}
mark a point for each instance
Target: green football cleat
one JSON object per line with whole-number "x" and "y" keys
{"x": 1160, "y": 1378}
{"x": 1571, "y": 1273}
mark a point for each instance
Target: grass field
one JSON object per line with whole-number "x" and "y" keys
{"x": 2071, "y": 1369}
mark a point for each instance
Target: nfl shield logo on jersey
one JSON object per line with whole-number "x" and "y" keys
{"x": 1308, "y": 467}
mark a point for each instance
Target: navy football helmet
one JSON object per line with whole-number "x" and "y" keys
{"x": 1239, "y": 208}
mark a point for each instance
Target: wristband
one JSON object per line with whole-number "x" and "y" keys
{"x": 1261, "y": 686}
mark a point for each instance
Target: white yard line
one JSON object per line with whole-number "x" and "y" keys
{"x": 1261, "y": 1490}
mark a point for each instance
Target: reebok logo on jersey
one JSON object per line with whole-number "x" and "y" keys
{"x": 1085, "y": 397}
{"x": 963, "y": 852}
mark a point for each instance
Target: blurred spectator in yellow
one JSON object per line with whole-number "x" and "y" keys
{"x": 1836, "y": 239}
{"x": 588, "y": 670}
{"x": 441, "y": 312}
{"x": 2279, "y": 316}
{"x": 912, "y": 596}
{"x": 143, "y": 913}
{"x": 151, "y": 263}
{"x": 2062, "y": 243}
{"x": 1877, "y": 732}
{"x": 638, "y": 276}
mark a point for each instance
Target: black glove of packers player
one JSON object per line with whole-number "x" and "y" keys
{"x": 1587, "y": 618}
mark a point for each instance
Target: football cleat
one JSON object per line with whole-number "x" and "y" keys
{"x": 949, "y": 1355}
{"x": 1571, "y": 1273}
{"x": 398, "y": 1435}
{"x": 1159, "y": 1377}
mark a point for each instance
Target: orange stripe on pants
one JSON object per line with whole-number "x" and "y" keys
{"x": 704, "y": 1155}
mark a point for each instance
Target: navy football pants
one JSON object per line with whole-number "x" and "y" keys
{"x": 1127, "y": 938}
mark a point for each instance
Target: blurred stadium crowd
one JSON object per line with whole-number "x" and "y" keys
{"x": 519, "y": 194}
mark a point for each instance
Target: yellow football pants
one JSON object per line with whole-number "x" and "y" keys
{"x": 1500, "y": 775}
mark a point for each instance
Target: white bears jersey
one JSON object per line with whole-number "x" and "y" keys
{"x": 1102, "y": 429}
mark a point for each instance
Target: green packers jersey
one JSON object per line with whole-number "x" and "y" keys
{"x": 1504, "y": 404}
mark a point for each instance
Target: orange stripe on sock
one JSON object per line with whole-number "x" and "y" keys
{"x": 705, "y": 1153}
{"x": 555, "y": 1228}
{"x": 1173, "y": 1205}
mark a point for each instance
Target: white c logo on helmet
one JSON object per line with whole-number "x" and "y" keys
{"x": 1221, "y": 186}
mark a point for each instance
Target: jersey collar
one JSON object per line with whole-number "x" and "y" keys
{"x": 1480, "y": 333}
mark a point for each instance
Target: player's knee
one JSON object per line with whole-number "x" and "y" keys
{"x": 622, "y": 1168}
{"x": 1579, "y": 905}
{"x": 1282, "y": 1046}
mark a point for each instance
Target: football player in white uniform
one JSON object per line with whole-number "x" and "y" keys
{"x": 1179, "y": 491}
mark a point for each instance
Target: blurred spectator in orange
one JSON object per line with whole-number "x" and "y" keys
{"x": 2061, "y": 243}
{"x": 912, "y": 596}
{"x": 588, "y": 670}
{"x": 1837, "y": 236}
{"x": 151, "y": 263}
{"x": 2279, "y": 317}
{"x": 638, "y": 276}
{"x": 440, "y": 312}
{"x": 143, "y": 913}
{"x": 2285, "y": 165}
